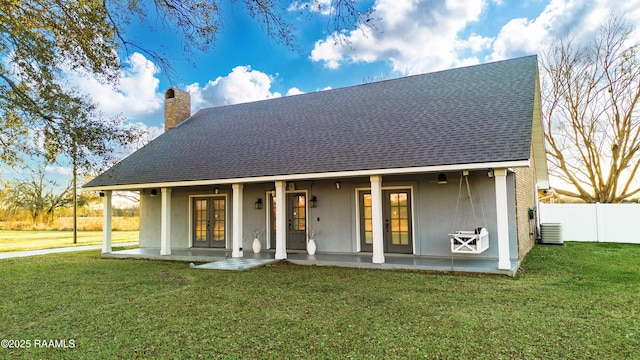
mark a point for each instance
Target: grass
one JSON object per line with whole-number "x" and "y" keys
{"x": 20, "y": 240}
{"x": 118, "y": 223}
{"x": 574, "y": 301}
{"x": 85, "y": 223}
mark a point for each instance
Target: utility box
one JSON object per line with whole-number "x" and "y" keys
{"x": 551, "y": 233}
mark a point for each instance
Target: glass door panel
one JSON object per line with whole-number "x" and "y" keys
{"x": 272, "y": 222}
{"x": 200, "y": 223}
{"x": 366, "y": 222}
{"x": 297, "y": 221}
{"x": 218, "y": 234}
{"x": 396, "y": 212}
{"x": 209, "y": 222}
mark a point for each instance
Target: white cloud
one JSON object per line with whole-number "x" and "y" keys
{"x": 327, "y": 50}
{"x": 294, "y": 91}
{"x": 518, "y": 37}
{"x": 417, "y": 35}
{"x": 413, "y": 35}
{"x": 475, "y": 43}
{"x": 577, "y": 19}
{"x": 136, "y": 95}
{"x": 241, "y": 85}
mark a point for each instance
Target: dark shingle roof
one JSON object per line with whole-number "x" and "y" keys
{"x": 475, "y": 114}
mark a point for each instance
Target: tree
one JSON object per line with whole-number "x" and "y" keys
{"x": 39, "y": 43}
{"x": 591, "y": 114}
{"x": 43, "y": 40}
{"x": 37, "y": 195}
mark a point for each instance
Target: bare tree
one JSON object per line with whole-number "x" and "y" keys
{"x": 37, "y": 195}
{"x": 590, "y": 111}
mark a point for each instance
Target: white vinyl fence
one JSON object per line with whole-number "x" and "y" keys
{"x": 595, "y": 222}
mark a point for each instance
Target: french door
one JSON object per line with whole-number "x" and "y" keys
{"x": 297, "y": 221}
{"x": 209, "y": 222}
{"x": 296, "y": 231}
{"x": 396, "y": 221}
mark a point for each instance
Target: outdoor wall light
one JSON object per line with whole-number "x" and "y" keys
{"x": 313, "y": 202}
{"x": 259, "y": 204}
{"x": 154, "y": 192}
{"x": 337, "y": 185}
{"x": 101, "y": 193}
{"x": 490, "y": 173}
{"x": 216, "y": 190}
{"x": 442, "y": 178}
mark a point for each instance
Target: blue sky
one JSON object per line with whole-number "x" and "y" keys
{"x": 414, "y": 36}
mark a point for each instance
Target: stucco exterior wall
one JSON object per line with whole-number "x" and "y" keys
{"x": 437, "y": 209}
{"x": 433, "y": 207}
{"x": 333, "y": 216}
{"x": 150, "y": 216}
{"x": 149, "y": 234}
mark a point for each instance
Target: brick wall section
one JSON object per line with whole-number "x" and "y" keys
{"x": 525, "y": 187}
{"x": 177, "y": 107}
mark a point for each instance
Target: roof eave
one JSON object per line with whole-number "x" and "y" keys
{"x": 315, "y": 176}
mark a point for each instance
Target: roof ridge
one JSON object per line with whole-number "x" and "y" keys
{"x": 466, "y": 67}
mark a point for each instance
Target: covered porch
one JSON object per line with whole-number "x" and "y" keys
{"x": 341, "y": 209}
{"x": 359, "y": 260}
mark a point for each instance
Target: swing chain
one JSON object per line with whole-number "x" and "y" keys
{"x": 465, "y": 176}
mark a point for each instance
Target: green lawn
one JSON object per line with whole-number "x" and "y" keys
{"x": 576, "y": 301}
{"x": 19, "y": 240}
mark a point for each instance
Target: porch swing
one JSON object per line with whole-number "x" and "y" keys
{"x": 468, "y": 241}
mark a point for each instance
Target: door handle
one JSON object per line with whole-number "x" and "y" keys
{"x": 289, "y": 224}
{"x": 208, "y": 225}
{"x": 386, "y": 225}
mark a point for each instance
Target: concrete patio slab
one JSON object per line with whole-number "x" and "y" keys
{"x": 236, "y": 264}
{"x": 454, "y": 263}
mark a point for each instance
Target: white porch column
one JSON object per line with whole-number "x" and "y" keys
{"x": 165, "y": 222}
{"x": 237, "y": 221}
{"x": 376, "y": 219}
{"x": 106, "y": 223}
{"x": 281, "y": 221}
{"x": 502, "y": 213}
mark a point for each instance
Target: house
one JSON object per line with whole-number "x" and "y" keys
{"x": 384, "y": 170}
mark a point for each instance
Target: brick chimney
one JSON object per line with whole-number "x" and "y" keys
{"x": 177, "y": 107}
